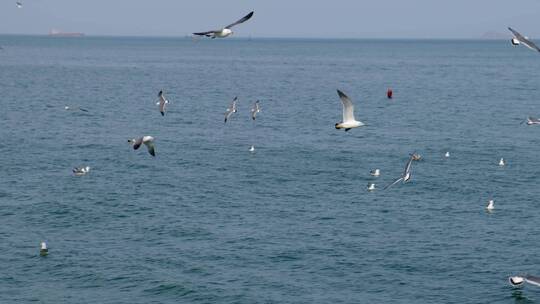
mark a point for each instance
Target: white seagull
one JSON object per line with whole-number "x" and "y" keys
{"x": 256, "y": 109}
{"x": 501, "y": 162}
{"x": 226, "y": 31}
{"x": 406, "y": 176}
{"x": 371, "y": 187}
{"x": 43, "y": 250}
{"x": 375, "y": 172}
{"x": 517, "y": 281}
{"x": 349, "y": 121}
{"x": 252, "y": 148}
{"x": 68, "y": 108}
{"x": 147, "y": 140}
{"x": 162, "y": 102}
{"x": 19, "y": 4}
{"x": 79, "y": 171}
{"x": 447, "y": 154}
{"x": 230, "y": 110}
{"x": 531, "y": 121}
{"x": 520, "y": 39}
{"x": 490, "y": 205}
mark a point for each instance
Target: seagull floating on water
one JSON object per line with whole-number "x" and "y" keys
{"x": 147, "y": 140}
{"x": 68, "y": 108}
{"x": 19, "y": 4}
{"x": 517, "y": 281}
{"x": 501, "y": 162}
{"x": 43, "y": 250}
{"x": 406, "y": 176}
{"x": 371, "y": 187}
{"x": 230, "y": 110}
{"x": 532, "y": 121}
{"x": 349, "y": 121}
{"x": 447, "y": 154}
{"x": 79, "y": 171}
{"x": 375, "y": 172}
{"x": 252, "y": 148}
{"x": 226, "y": 31}
{"x": 162, "y": 102}
{"x": 490, "y": 206}
{"x": 256, "y": 109}
{"x": 520, "y": 39}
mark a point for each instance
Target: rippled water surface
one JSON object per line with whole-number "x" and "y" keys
{"x": 207, "y": 221}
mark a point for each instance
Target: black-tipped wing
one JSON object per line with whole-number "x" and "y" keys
{"x": 244, "y": 19}
{"x": 137, "y": 144}
{"x": 518, "y": 35}
{"x": 528, "y": 43}
{"x": 151, "y": 148}
{"x": 209, "y": 33}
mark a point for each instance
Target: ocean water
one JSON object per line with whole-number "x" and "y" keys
{"x": 207, "y": 221}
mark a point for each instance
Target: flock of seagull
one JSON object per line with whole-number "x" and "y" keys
{"x": 348, "y": 122}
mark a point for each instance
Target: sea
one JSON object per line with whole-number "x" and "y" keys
{"x": 208, "y": 221}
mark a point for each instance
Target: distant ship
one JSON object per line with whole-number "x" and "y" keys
{"x": 57, "y": 33}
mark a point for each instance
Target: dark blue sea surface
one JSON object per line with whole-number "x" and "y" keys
{"x": 207, "y": 221}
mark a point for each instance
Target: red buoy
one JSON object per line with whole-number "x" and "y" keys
{"x": 389, "y": 93}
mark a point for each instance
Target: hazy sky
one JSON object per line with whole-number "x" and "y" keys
{"x": 275, "y": 18}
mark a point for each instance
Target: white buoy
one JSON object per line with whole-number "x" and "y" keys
{"x": 43, "y": 249}
{"x": 375, "y": 172}
{"x": 501, "y": 162}
{"x": 252, "y": 149}
{"x": 371, "y": 187}
{"x": 447, "y": 154}
{"x": 490, "y": 205}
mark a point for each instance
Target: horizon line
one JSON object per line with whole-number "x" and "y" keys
{"x": 244, "y": 37}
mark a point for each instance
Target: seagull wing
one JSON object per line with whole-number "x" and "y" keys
{"x": 395, "y": 182}
{"x": 528, "y": 43}
{"x": 255, "y": 110}
{"x": 408, "y": 165}
{"x": 228, "y": 114}
{"x": 162, "y": 103}
{"x": 137, "y": 143}
{"x": 151, "y": 148}
{"x": 348, "y": 107}
{"x": 516, "y": 34}
{"x": 231, "y": 109}
{"x": 533, "y": 280}
{"x": 204, "y": 33}
{"x": 244, "y": 19}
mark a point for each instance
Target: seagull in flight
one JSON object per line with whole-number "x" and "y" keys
{"x": 520, "y": 39}
{"x": 147, "y": 140}
{"x": 162, "y": 102}
{"x": 349, "y": 121}
{"x": 517, "y": 281}
{"x": 231, "y": 109}
{"x": 226, "y": 31}
{"x": 406, "y": 176}
{"x": 256, "y": 109}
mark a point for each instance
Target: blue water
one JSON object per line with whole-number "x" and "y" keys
{"x": 206, "y": 221}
